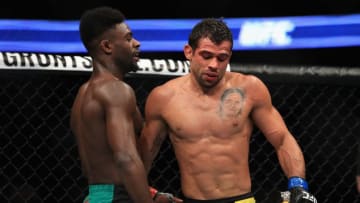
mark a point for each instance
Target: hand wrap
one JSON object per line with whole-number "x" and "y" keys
{"x": 297, "y": 182}
{"x": 155, "y": 193}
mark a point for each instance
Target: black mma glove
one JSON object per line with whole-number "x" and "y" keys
{"x": 298, "y": 188}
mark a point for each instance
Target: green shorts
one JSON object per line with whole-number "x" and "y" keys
{"x": 107, "y": 193}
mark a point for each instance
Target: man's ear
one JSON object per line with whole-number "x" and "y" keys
{"x": 106, "y": 46}
{"x": 188, "y": 52}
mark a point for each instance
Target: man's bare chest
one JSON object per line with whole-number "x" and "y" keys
{"x": 206, "y": 116}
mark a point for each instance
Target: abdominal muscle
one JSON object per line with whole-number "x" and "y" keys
{"x": 213, "y": 167}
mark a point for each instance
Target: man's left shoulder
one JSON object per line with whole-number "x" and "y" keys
{"x": 241, "y": 77}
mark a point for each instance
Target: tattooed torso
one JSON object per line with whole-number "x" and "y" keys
{"x": 213, "y": 129}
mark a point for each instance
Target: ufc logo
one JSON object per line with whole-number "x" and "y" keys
{"x": 309, "y": 197}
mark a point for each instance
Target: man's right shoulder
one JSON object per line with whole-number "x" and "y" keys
{"x": 171, "y": 85}
{"x": 161, "y": 90}
{"x": 165, "y": 91}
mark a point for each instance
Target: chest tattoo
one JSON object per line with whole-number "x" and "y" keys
{"x": 231, "y": 103}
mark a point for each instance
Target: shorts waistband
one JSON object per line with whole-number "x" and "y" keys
{"x": 110, "y": 193}
{"x": 101, "y": 187}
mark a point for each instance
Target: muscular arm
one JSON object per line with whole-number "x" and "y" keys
{"x": 269, "y": 121}
{"x": 155, "y": 129}
{"x": 120, "y": 107}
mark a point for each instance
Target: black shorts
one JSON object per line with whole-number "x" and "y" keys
{"x": 108, "y": 193}
{"x": 245, "y": 198}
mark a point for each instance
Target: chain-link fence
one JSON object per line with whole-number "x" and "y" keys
{"x": 39, "y": 159}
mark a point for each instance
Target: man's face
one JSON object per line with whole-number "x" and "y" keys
{"x": 125, "y": 48}
{"x": 208, "y": 61}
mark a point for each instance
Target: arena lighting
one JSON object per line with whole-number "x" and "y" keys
{"x": 170, "y": 35}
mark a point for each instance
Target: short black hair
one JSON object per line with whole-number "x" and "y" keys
{"x": 213, "y": 28}
{"x": 94, "y": 22}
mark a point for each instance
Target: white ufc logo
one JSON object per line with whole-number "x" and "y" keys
{"x": 309, "y": 197}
